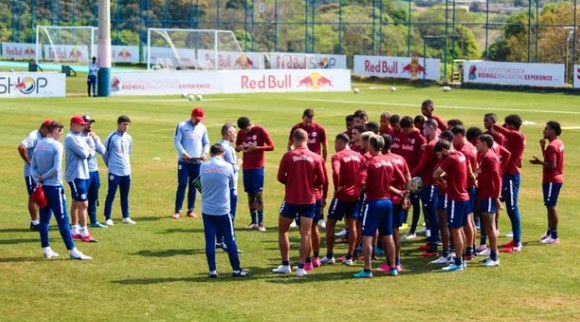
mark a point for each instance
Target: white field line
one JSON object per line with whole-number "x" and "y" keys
{"x": 161, "y": 100}
{"x": 436, "y": 106}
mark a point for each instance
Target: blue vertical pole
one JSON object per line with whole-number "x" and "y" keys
{"x": 13, "y": 21}
{"x": 486, "y": 29}
{"x": 305, "y": 26}
{"x": 453, "y": 55}
{"x": 537, "y": 30}
{"x": 197, "y": 15}
{"x": 245, "y": 26}
{"x": 32, "y": 21}
{"x": 117, "y": 31}
{"x": 340, "y": 26}
{"x": 141, "y": 31}
{"x": 410, "y": 24}
{"x": 574, "y": 35}
{"x": 165, "y": 14}
{"x": 529, "y": 30}
{"x": 374, "y": 26}
{"x": 253, "y": 24}
{"x": 313, "y": 46}
{"x": 446, "y": 39}
{"x": 275, "y": 25}
{"x": 217, "y": 11}
{"x": 73, "y": 12}
{"x": 380, "y": 27}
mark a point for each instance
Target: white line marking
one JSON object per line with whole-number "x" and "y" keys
{"x": 437, "y": 106}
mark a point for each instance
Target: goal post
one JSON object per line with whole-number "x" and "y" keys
{"x": 71, "y": 44}
{"x": 202, "y": 49}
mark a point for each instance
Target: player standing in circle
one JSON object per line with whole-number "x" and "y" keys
{"x": 92, "y": 77}
{"x": 552, "y": 179}
{"x": 253, "y": 140}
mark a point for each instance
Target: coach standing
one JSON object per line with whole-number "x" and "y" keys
{"x": 217, "y": 181}
{"x": 25, "y": 149}
{"x": 118, "y": 148}
{"x": 192, "y": 144}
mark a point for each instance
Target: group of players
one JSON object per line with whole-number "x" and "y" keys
{"x": 379, "y": 172}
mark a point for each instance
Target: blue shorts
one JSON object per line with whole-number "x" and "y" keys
{"x": 442, "y": 201}
{"x": 253, "y": 180}
{"x": 457, "y": 213}
{"x": 30, "y": 184}
{"x": 361, "y": 203}
{"x": 429, "y": 196}
{"x": 339, "y": 209}
{"x": 472, "y": 196}
{"x": 377, "y": 214}
{"x": 291, "y": 211}
{"x": 78, "y": 189}
{"x": 488, "y": 205}
{"x": 398, "y": 215}
{"x": 551, "y": 193}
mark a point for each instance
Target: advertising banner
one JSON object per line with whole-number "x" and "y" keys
{"x": 186, "y": 56}
{"x": 18, "y": 51}
{"x": 576, "y": 76}
{"x": 32, "y": 85}
{"x": 125, "y": 54}
{"x": 551, "y": 75}
{"x": 165, "y": 83}
{"x": 398, "y": 67}
{"x": 306, "y": 61}
{"x": 230, "y": 60}
{"x": 64, "y": 53}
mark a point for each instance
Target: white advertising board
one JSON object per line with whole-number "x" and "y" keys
{"x": 277, "y": 80}
{"x": 551, "y": 75}
{"x": 75, "y": 53}
{"x": 32, "y": 85}
{"x": 233, "y": 81}
{"x": 230, "y": 60}
{"x": 125, "y": 54}
{"x": 398, "y": 67}
{"x": 186, "y": 56}
{"x": 306, "y": 61}
{"x": 576, "y": 76}
{"x": 18, "y": 51}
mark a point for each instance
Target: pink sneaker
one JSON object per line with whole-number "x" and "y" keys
{"x": 341, "y": 258}
{"x": 88, "y": 239}
{"x": 77, "y": 236}
{"x": 191, "y": 214}
{"x": 399, "y": 268}
{"x": 316, "y": 262}
{"x": 176, "y": 215}
{"x": 384, "y": 268}
{"x": 308, "y": 267}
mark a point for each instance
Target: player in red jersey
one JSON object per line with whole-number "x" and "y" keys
{"x": 345, "y": 167}
{"x": 454, "y": 167}
{"x": 360, "y": 117}
{"x": 461, "y": 144}
{"x": 349, "y": 123}
{"x": 396, "y": 133}
{"x": 376, "y": 176}
{"x": 429, "y": 190}
{"x": 489, "y": 189}
{"x": 489, "y": 121}
{"x": 385, "y": 127}
{"x": 316, "y": 134}
{"x": 301, "y": 172}
{"x": 418, "y": 122}
{"x": 399, "y": 197}
{"x": 427, "y": 111}
{"x": 552, "y": 179}
{"x": 253, "y": 140}
{"x": 355, "y": 142}
{"x": 516, "y": 144}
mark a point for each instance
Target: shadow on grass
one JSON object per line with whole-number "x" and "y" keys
{"x": 22, "y": 259}
{"x": 150, "y": 218}
{"x": 182, "y": 230}
{"x": 17, "y": 241}
{"x": 16, "y": 230}
{"x": 255, "y": 273}
{"x": 169, "y": 252}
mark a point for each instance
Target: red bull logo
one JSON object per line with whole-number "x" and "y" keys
{"x": 244, "y": 62}
{"x": 115, "y": 84}
{"x": 124, "y": 53}
{"x": 472, "y": 72}
{"x": 578, "y": 73}
{"x": 75, "y": 54}
{"x": 315, "y": 81}
{"x": 30, "y": 51}
{"x": 25, "y": 86}
{"x": 414, "y": 67}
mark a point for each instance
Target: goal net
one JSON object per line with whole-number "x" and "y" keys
{"x": 197, "y": 49}
{"x": 61, "y": 44}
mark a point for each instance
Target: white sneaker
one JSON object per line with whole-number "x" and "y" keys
{"x": 301, "y": 272}
{"x": 409, "y": 236}
{"x": 550, "y": 241}
{"x": 49, "y": 254}
{"x": 423, "y": 231}
{"x": 490, "y": 263}
{"x": 326, "y": 260}
{"x": 484, "y": 252}
{"x": 322, "y": 224}
{"x": 109, "y": 222}
{"x": 510, "y": 234}
{"x": 282, "y": 269}
{"x": 348, "y": 262}
{"x": 293, "y": 224}
{"x": 340, "y": 234}
{"x": 76, "y": 254}
{"x": 481, "y": 248}
{"x": 440, "y": 261}
{"x": 262, "y": 228}
{"x": 129, "y": 221}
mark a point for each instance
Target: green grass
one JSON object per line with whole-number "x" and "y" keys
{"x": 157, "y": 270}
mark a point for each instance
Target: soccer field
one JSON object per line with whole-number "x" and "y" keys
{"x": 156, "y": 270}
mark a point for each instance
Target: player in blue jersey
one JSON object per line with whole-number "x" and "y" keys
{"x": 77, "y": 175}
{"x": 46, "y": 170}
{"x": 217, "y": 181}
{"x": 192, "y": 144}
{"x": 94, "y": 183}
{"x": 25, "y": 149}
{"x": 118, "y": 148}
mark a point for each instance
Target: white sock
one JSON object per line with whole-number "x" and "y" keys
{"x": 74, "y": 229}
{"x": 35, "y": 222}
{"x": 84, "y": 231}
{"x": 46, "y": 250}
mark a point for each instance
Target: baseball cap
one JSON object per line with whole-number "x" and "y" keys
{"x": 78, "y": 120}
{"x": 46, "y": 123}
{"x": 198, "y": 113}
{"x": 88, "y": 119}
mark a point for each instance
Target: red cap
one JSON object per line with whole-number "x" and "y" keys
{"x": 46, "y": 123}
{"x": 78, "y": 120}
{"x": 198, "y": 113}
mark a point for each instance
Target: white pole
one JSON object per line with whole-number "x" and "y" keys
{"x": 104, "y": 79}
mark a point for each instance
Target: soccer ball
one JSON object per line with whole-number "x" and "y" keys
{"x": 184, "y": 95}
{"x": 393, "y": 89}
{"x": 356, "y": 90}
{"x": 446, "y": 88}
{"x": 190, "y": 97}
{"x": 198, "y": 97}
